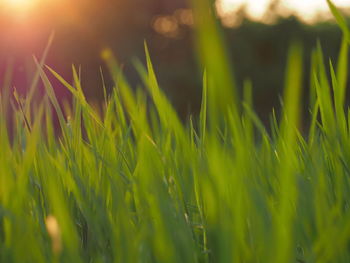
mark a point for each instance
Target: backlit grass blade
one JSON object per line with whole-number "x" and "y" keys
{"x": 247, "y": 121}
{"x": 166, "y": 112}
{"x": 342, "y": 72}
{"x": 338, "y": 104}
{"x": 214, "y": 57}
{"x": 287, "y": 197}
{"x": 124, "y": 95}
{"x": 51, "y": 94}
{"x": 321, "y": 83}
{"x": 340, "y": 20}
{"x": 77, "y": 93}
{"x": 203, "y": 113}
{"x": 36, "y": 77}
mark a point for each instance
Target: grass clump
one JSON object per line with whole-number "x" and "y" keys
{"x": 138, "y": 185}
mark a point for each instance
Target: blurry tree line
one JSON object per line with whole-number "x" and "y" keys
{"x": 83, "y": 28}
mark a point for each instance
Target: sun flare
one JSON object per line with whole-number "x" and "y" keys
{"x": 20, "y": 4}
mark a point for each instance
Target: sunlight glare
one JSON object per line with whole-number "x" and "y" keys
{"x": 307, "y": 10}
{"x": 20, "y": 4}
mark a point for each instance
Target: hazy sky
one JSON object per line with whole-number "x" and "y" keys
{"x": 307, "y": 9}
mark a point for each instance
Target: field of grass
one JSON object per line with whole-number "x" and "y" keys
{"x": 135, "y": 184}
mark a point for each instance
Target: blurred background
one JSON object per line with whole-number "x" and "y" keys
{"x": 258, "y": 33}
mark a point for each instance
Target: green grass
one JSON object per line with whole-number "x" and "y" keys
{"x": 135, "y": 184}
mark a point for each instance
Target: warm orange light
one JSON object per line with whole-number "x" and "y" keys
{"x": 20, "y": 4}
